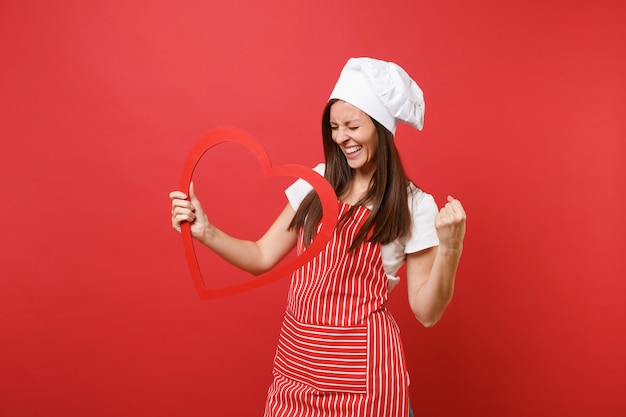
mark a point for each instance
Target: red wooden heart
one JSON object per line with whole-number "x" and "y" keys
{"x": 330, "y": 209}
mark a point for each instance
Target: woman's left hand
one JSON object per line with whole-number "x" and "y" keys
{"x": 450, "y": 224}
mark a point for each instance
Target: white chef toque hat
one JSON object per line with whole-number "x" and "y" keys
{"x": 383, "y": 90}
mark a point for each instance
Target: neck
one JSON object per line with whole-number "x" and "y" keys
{"x": 357, "y": 187}
{"x": 364, "y": 174}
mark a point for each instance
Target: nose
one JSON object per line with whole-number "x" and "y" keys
{"x": 341, "y": 135}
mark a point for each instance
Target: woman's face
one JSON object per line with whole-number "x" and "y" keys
{"x": 355, "y": 134}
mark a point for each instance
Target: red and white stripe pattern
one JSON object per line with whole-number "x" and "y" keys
{"x": 339, "y": 351}
{"x": 327, "y": 358}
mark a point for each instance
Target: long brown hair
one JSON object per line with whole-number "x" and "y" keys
{"x": 389, "y": 218}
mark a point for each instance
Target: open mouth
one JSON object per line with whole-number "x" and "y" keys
{"x": 353, "y": 149}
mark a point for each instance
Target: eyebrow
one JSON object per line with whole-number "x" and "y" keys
{"x": 358, "y": 120}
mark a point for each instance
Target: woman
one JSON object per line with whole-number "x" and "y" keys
{"x": 339, "y": 351}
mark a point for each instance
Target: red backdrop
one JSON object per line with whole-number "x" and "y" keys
{"x": 100, "y": 102}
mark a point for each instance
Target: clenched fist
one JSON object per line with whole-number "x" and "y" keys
{"x": 184, "y": 210}
{"x": 450, "y": 224}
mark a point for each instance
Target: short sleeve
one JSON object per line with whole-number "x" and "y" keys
{"x": 298, "y": 190}
{"x": 423, "y": 210}
{"x": 423, "y": 234}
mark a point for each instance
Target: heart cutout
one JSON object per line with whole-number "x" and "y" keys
{"x": 325, "y": 191}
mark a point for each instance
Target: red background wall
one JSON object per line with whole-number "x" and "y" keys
{"x": 100, "y": 102}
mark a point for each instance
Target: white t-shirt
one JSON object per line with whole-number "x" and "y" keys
{"x": 423, "y": 233}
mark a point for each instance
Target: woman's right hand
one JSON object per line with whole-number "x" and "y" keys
{"x": 189, "y": 210}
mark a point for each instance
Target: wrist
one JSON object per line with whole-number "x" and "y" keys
{"x": 450, "y": 250}
{"x": 207, "y": 234}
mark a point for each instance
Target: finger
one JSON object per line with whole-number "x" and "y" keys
{"x": 181, "y": 204}
{"x": 459, "y": 211}
{"x": 175, "y": 225}
{"x": 183, "y": 207}
{"x": 192, "y": 192}
{"x": 442, "y": 217}
{"x": 177, "y": 195}
{"x": 450, "y": 214}
{"x": 446, "y": 211}
{"x": 178, "y": 218}
{"x": 455, "y": 206}
{"x": 195, "y": 202}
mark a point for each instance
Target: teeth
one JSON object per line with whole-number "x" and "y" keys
{"x": 353, "y": 149}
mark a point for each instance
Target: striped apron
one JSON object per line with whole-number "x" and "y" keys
{"x": 339, "y": 351}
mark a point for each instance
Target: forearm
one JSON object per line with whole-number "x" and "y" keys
{"x": 429, "y": 300}
{"x": 255, "y": 257}
{"x": 244, "y": 254}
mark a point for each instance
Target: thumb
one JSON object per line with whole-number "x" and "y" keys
{"x": 193, "y": 198}
{"x": 192, "y": 193}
